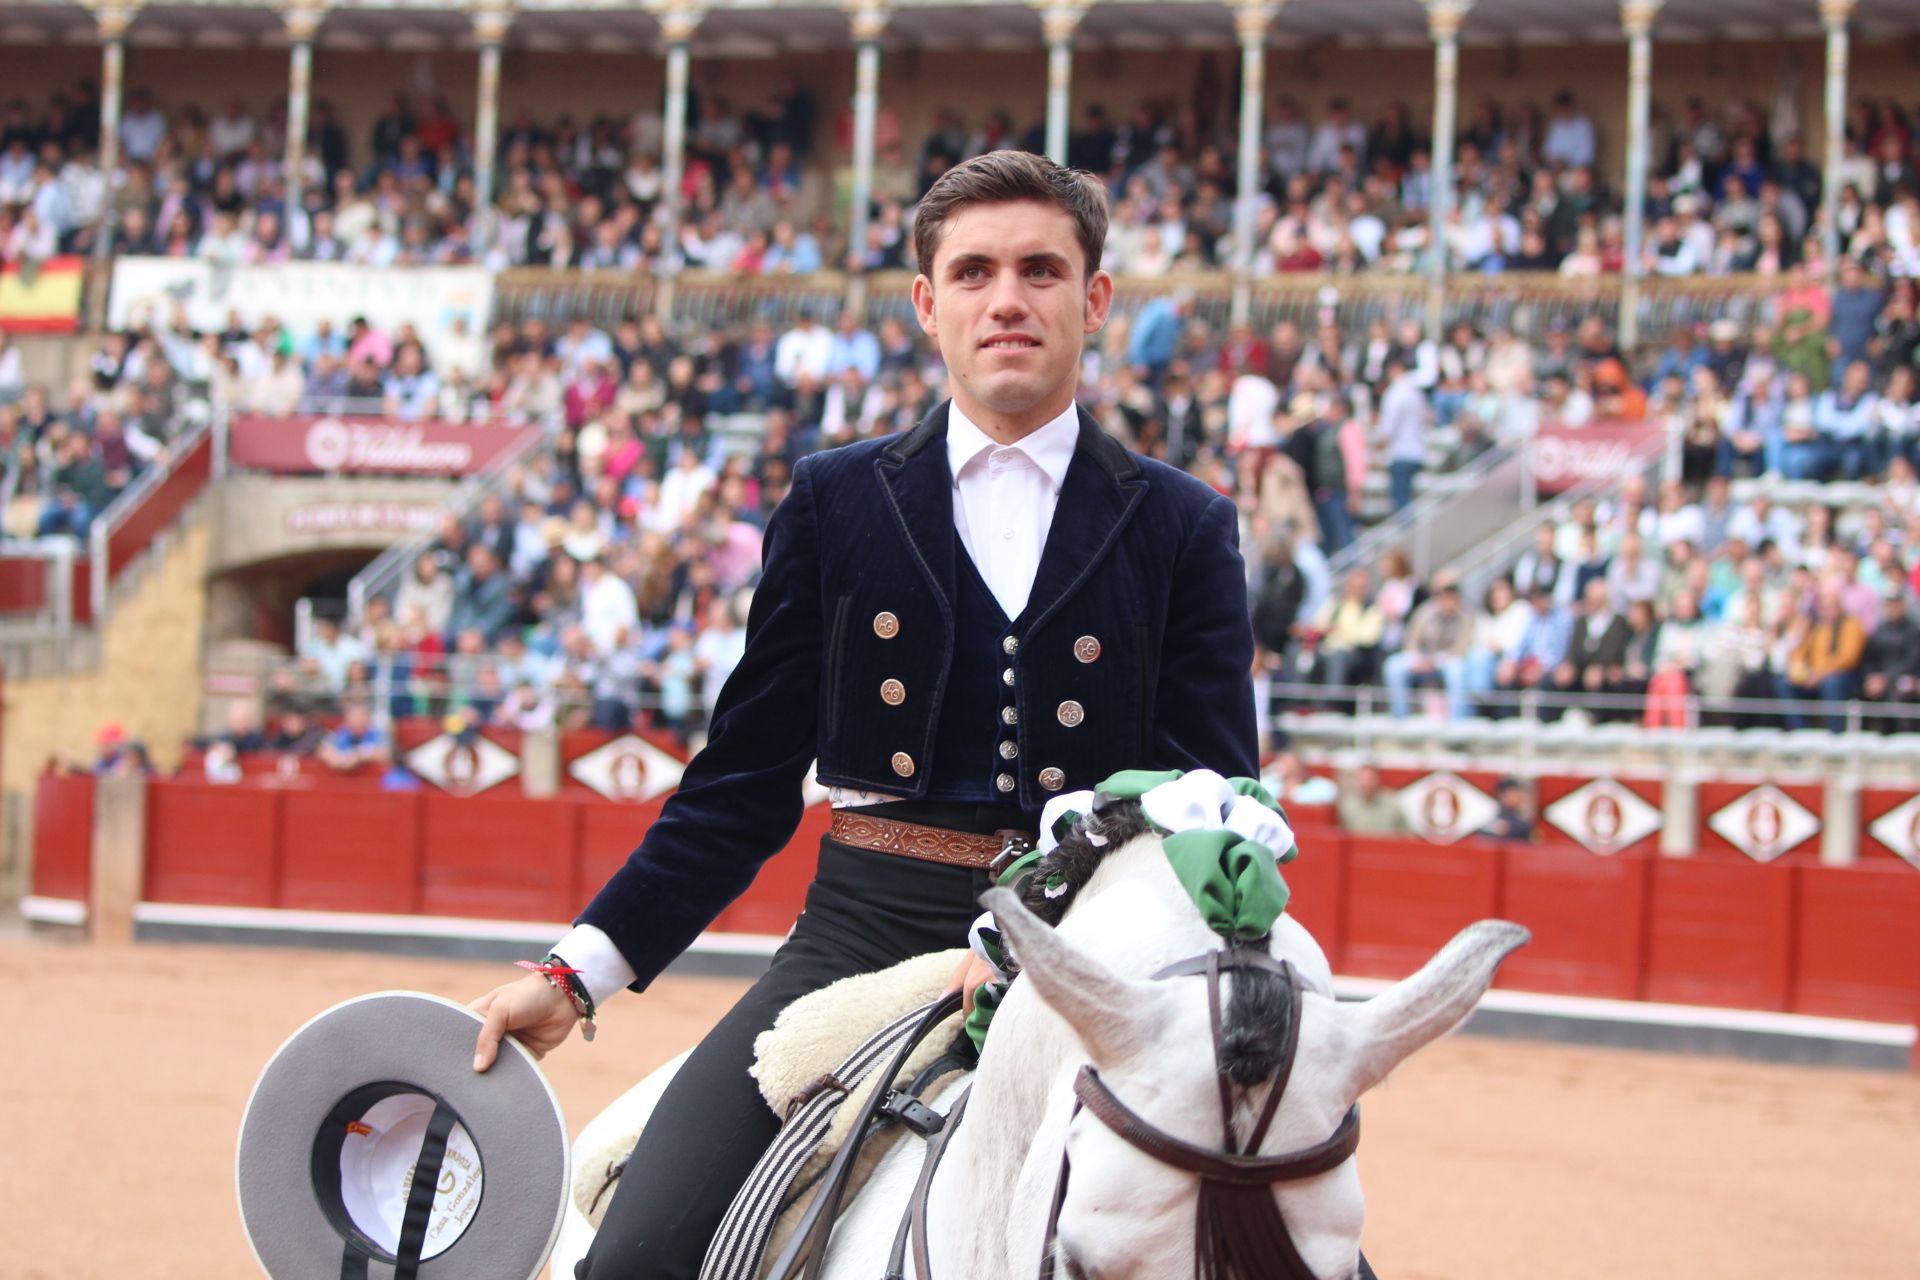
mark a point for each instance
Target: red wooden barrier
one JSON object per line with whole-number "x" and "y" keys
{"x": 1719, "y": 933}
{"x": 498, "y": 856}
{"x": 1903, "y": 830}
{"x": 1317, "y": 884}
{"x": 1588, "y": 916}
{"x": 213, "y": 844}
{"x": 63, "y": 836}
{"x": 1406, "y": 898}
{"x": 363, "y": 855}
{"x": 609, "y": 831}
{"x": 1711, "y": 846}
{"x": 1856, "y": 950}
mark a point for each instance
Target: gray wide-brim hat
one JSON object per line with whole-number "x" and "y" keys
{"x": 360, "y": 1096}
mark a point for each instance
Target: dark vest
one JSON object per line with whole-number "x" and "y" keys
{"x": 971, "y": 724}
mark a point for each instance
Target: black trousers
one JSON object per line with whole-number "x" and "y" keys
{"x": 865, "y": 911}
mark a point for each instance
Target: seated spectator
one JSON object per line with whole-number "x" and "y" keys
{"x": 1345, "y": 637}
{"x": 1636, "y": 662}
{"x": 1434, "y": 654}
{"x": 1844, "y": 417}
{"x": 358, "y": 741}
{"x": 1290, "y": 783}
{"x": 1890, "y": 665}
{"x": 1513, "y": 822}
{"x": 1498, "y": 630}
{"x": 1368, "y": 808}
{"x": 483, "y": 599}
{"x": 294, "y": 732}
{"x": 1825, "y": 664}
{"x": 1677, "y": 656}
{"x": 1735, "y": 661}
{"x": 1596, "y": 650}
{"x": 1541, "y": 648}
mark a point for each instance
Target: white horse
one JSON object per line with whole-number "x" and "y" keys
{"x": 1087, "y": 997}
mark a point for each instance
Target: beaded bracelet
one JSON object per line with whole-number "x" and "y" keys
{"x": 566, "y": 980}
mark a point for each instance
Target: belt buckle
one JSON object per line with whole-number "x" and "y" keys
{"x": 1014, "y": 845}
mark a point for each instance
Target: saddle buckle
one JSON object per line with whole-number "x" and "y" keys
{"x": 913, "y": 1113}
{"x": 1013, "y": 846}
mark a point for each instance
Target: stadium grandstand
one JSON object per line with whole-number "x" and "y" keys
{"x": 395, "y": 397}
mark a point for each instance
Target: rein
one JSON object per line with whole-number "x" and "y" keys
{"x": 1239, "y": 1231}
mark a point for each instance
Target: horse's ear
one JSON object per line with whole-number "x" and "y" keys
{"x": 1413, "y": 1013}
{"x": 1112, "y": 1015}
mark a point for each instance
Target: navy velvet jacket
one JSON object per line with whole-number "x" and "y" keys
{"x": 859, "y": 589}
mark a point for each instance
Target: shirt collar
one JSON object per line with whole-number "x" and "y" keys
{"x": 1050, "y": 448}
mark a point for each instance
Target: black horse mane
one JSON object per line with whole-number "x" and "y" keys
{"x": 1255, "y": 1021}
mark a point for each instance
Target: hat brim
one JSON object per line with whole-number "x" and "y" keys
{"x": 401, "y": 1041}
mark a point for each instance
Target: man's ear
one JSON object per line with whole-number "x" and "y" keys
{"x": 1099, "y": 301}
{"x": 923, "y": 307}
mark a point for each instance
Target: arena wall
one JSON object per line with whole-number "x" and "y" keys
{"x": 148, "y": 679}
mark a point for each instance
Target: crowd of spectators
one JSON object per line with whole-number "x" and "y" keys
{"x": 1643, "y": 611}
{"x": 1726, "y": 194}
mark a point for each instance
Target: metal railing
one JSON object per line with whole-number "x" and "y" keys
{"x": 1528, "y": 303}
{"x": 1449, "y": 518}
{"x": 148, "y": 507}
{"x": 382, "y": 577}
{"x": 1530, "y": 722}
{"x": 1498, "y": 553}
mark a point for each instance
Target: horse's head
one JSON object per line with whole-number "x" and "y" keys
{"x": 1129, "y": 1211}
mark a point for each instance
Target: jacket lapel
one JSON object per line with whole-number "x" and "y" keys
{"x": 914, "y": 475}
{"x": 1103, "y": 487}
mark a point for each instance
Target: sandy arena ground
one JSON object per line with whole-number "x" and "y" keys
{"x": 127, "y": 1070}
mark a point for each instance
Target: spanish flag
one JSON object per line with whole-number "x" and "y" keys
{"x": 42, "y": 297}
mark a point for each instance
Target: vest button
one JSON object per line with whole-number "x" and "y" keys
{"x": 886, "y": 626}
{"x": 892, "y": 692}
{"x": 1004, "y": 783}
{"x": 903, "y": 764}
{"x": 1071, "y": 713}
{"x": 1053, "y": 779}
{"x": 1009, "y": 749}
{"x": 1086, "y": 648}
{"x": 1009, "y": 715}
{"x": 1006, "y": 677}
{"x": 1010, "y": 645}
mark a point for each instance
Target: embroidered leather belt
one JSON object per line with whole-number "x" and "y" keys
{"x": 911, "y": 840}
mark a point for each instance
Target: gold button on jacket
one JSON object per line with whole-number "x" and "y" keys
{"x": 892, "y": 692}
{"x": 903, "y": 764}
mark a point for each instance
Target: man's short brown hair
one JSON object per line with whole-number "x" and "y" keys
{"x": 999, "y": 177}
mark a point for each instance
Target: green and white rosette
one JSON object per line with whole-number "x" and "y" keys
{"x": 1224, "y": 837}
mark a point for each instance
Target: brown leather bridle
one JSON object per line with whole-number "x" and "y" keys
{"x": 1239, "y": 1231}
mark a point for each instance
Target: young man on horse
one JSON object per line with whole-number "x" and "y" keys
{"x": 957, "y": 623}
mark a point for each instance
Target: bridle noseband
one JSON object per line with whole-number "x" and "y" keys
{"x": 1239, "y": 1232}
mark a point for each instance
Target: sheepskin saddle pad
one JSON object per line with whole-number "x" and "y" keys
{"x": 797, "y": 1057}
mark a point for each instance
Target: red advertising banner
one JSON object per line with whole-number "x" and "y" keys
{"x": 1567, "y": 456}
{"x": 367, "y": 445}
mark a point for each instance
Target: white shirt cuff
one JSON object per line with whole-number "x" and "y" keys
{"x": 603, "y": 970}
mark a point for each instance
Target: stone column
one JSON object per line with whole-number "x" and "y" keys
{"x": 112, "y": 21}
{"x": 1058, "y": 22}
{"x": 1636, "y": 18}
{"x": 489, "y": 34}
{"x": 1834, "y": 16}
{"x": 302, "y": 24}
{"x": 1443, "y": 22}
{"x": 869, "y": 23}
{"x": 677, "y": 26}
{"x": 1250, "y": 23}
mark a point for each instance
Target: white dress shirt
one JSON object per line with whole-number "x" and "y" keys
{"x": 1003, "y": 502}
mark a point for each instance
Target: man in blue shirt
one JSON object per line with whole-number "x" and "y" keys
{"x": 1156, "y": 335}
{"x": 1844, "y": 417}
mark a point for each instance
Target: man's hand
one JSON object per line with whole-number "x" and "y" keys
{"x": 536, "y": 1012}
{"x": 972, "y": 974}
